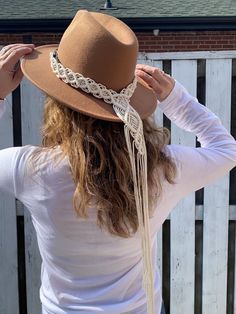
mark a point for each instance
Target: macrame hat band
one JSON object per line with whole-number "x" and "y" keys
{"x": 120, "y": 101}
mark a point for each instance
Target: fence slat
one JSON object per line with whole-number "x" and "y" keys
{"x": 8, "y": 230}
{"x": 183, "y": 216}
{"x": 188, "y": 55}
{"x": 158, "y": 116}
{"x": 31, "y": 107}
{"x": 216, "y": 197}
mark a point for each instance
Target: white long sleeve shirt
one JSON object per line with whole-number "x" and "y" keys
{"x": 85, "y": 269}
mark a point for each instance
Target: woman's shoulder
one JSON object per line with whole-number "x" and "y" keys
{"x": 13, "y": 161}
{"x": 36, "y": 169}
{"x": 27, "y": 152}
{"x": 13, "y": 156}
{"x": 29, "y": 161}
{"x": 41, "y": 161}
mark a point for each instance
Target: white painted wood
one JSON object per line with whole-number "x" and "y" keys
{"x": 31, "y": 104}
{"x": 158, "y": 113}
{"x": 187, "y": 55}
{"x": 158, "y": 117}
{"x": 19, "y": 208}
{"x": 183, "y": 216}
{"x": 216, "y": 197}
{"x": 8, "y": 230}
{"x": 200, "y": 212}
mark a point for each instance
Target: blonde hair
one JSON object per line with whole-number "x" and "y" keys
{"x": 100, "y": 164}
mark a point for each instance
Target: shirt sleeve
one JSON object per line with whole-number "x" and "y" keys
{"x": 8, "y": 159}
{"x": 12, "y": 163}
{"x": 6, "y": 162}
{"x": 198, "y": 167}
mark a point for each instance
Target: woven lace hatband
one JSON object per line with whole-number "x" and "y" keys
{"x": 133, "y": 130}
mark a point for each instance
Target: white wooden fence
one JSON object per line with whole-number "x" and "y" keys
{"x": 215, "y": 213}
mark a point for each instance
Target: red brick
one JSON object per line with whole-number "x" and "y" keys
{"x": 229, "y": 46}
{"x": 209, "y": 42}
{"x": 176, "y": 42}
{"x": 165, "y": 41}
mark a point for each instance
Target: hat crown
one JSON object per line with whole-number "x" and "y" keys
{"x": 100, "y": 47}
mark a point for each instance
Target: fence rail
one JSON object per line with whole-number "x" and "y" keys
{"x": 197, "y": 264}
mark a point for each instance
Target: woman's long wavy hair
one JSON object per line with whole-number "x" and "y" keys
{"x": 100, "y": 164}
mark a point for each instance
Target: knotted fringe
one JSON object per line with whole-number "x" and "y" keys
{"x": 133, "y": 130}
{"x": 138, "y": 162}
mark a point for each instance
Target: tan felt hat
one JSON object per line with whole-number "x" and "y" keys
{"x": 99, "y": 47}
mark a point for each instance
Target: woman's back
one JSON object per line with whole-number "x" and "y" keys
{"x": 83, "y": 266}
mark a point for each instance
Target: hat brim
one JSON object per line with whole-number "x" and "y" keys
{"x": 37, "y": 68}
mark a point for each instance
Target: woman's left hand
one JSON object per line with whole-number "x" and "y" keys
{"x": 158, "y": 80}
{"x": 10, "y": 71}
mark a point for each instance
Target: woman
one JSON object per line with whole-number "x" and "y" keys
{"x": 95, "y": 203}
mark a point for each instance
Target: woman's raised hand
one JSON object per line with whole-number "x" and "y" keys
{"x": 10, "y": 71}
{"x": 157, "y": 79}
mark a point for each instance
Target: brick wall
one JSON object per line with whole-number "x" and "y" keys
{"x": 165, "y": 41}
{"x": 187, "y": 41}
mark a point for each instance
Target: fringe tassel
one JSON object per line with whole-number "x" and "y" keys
{"x": 139, "y": 170}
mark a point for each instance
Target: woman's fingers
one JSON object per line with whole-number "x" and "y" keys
{"x": 6, "y": 50}
{"x": 154, "y": 72}
{"x": 13, "y": 57}
{"x": 153, "y": 83}
{"x": 157, "y": 79}
{"x": 10, "y": 71}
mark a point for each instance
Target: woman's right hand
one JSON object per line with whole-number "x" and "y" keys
{"x": 157, "y": 79}
{"x": 10, "y": 71}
